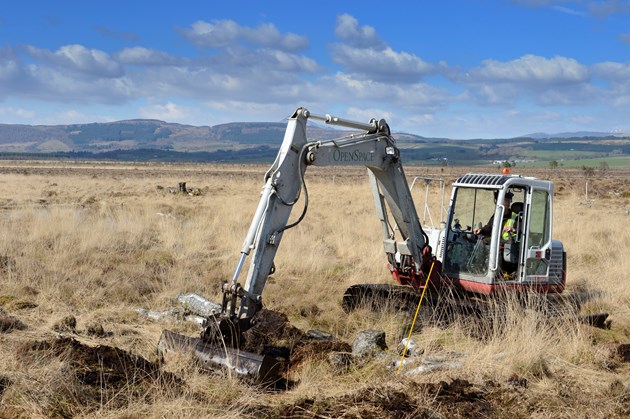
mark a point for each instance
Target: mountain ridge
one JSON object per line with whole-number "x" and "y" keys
{"x": 152, "y": 139}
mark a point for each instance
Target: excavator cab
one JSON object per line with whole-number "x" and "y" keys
{"x": 498, "y": 235}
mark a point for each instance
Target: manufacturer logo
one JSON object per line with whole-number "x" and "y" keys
{"x": 356, "y": 155}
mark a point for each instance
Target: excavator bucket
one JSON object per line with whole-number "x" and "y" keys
{"x": 217, "y": 346}
{"x": 259, "y": 369}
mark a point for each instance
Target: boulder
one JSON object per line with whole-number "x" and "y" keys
{"x": 369, "y": 342}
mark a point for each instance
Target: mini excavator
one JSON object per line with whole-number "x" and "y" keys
{"x": 461, "y": 262}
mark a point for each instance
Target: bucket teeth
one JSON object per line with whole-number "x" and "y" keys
{"x": 260, "y": 369}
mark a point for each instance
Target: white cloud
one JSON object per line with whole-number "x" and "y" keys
{"x": 605, "y": 8}
{"x": 261, "y": 77}
{"x": 241, "y": 60}
{"x": 558, "y": 5}
{"x": 80, "y": 59}
{"x": 242, "y": 111}
{"x": 583, "y": 120}
{"x": 51, "y": 83}
{"x": 292, "y": 62}
{"x": 585, "y": 94}
{"x": 51, "y": 115}
{"x": 553, "y": 81}
{"x": 612, "y": 71}
{"x": 165, "y": 112}
{"x": 56, "y": 85}
{"x": 72, "y": 116}
{"x": 419, "y": 97}
{"x": 236, "y": 73}
{"x": 569, "y": 11}
{"x": 262, "y": 83}
{"x": 16, "y": 113}
{"x": 223, "y": 33}
{"x": 140, "y": 55}
{"x": 475, "y": 122}
{"x": 365, "y": 55}
{"x": 8, "y": 69}
{"x": 381, "y": 65}
{"x": 618, "y": 77}
{"x": 256, "y": 74}
{"x": 14, "y": 78}
{"x": 600, "y": 9}
{"x": 233, "y": 73}
{"x": 366, "y": 114}
{"x": 532, "y": 69}
{"x": 491, "y": 94}
{"x": 214, "y": 35}
{"x": 348, "y": 30}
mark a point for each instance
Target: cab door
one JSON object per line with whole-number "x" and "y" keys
{"x": 536, "y": 250}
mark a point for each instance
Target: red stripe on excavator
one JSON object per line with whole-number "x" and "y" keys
{"x": 480, "y": 288}
{"x": 416, "y": 281}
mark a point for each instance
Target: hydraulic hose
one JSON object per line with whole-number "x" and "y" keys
{"x": 303, "y": 183}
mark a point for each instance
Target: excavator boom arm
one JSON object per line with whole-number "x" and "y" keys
{"x": 284, "y": 183}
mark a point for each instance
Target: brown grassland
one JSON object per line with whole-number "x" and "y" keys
{"x": 93, "y": 242}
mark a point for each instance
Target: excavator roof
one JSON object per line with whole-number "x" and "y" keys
{"x": 492, "y": 181}
{"x": 473, "y": 179}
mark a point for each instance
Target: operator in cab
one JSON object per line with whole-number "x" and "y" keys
{"x": 509, "y": 229}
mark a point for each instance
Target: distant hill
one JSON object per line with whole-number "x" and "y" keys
{"x": 146, "y": 134}
{"x": 578, "y": 134}
{"x": 148, "y": 139}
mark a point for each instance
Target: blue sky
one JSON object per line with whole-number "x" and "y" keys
{"x": 459, "y": 69}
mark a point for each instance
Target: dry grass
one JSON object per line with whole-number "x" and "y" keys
{"x": 98, "y": 241}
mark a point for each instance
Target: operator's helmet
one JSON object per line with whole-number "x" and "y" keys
{"x": 509, "y": 195}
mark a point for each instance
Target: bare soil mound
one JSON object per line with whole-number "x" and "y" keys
{"x": 622, "y": 352}
{"x": 317, "y": 350}
{"x": 9, "y": 323}
{"x": 459, "y": 398}
{"x": 271, "y": 331}
{"x": 101, "y": 373}
{"x": 272, "y": 334}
